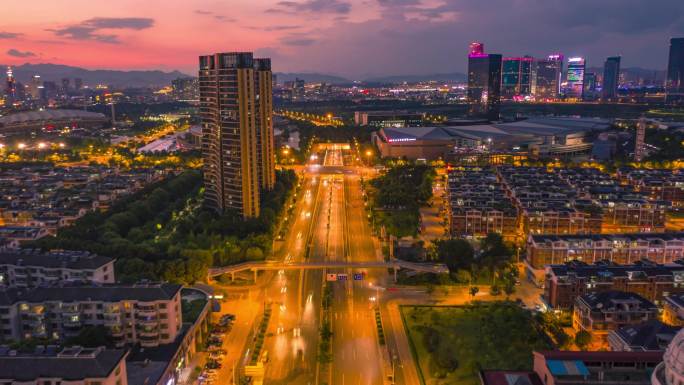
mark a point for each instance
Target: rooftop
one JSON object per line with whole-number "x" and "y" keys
{"x": 70, "y": 364}
{"x": 104, "y": 293}
{"x": 47, "y": 115}
{"x": 63, "y": 259}
{"x": 648, "y": 336}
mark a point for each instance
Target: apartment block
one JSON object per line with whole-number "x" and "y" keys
{"x": 655, "y": 282}
{"x": 72, "y": 365}
{"x": 145, "y": 314}
{"x": 478, "y": 205}
{"x": 32, "y": 268}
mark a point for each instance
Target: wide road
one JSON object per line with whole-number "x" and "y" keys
{"x": 357, "y": 357}
{"x": 333, "y": 225}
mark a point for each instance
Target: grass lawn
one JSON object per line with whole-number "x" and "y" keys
{"x": 453, "y": 343}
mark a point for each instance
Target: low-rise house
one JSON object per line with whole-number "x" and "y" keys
{"x": 599, "y": 313}
{"x": 673, "y": 309}
{"x": 564, "y": 283}
{"x": 651, "y": 336}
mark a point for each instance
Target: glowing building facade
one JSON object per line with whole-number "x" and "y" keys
{"x": 484, "y": 82}
{"x": 237, "y": 137}
{"x": 518, "y": 78}
{"x": 575, "y": 78}
{"x": 548, "y": 74}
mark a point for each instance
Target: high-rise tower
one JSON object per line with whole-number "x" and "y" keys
{"x": 575, "y": 78}
{"x": 611, "y": 78}
{"x": 484, "y": 82}
{"x": 549, "y": 72}
{"x": 263, "y": 86}
{"x": 675, "y": 71}
{"x": 229, "y": 139}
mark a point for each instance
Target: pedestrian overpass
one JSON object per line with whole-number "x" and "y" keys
{"x": 395, "y": 265}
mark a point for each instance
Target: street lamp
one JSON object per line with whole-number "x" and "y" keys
{"x": 21, "y": 146}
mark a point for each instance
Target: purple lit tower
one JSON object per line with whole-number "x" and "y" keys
{"x": 484, "y": 82}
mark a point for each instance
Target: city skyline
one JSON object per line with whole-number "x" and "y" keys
{"x": 329, "y": 36}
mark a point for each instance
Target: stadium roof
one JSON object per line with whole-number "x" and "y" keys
{"x": 47, "y": 115}
{"x": 532, "y": 127}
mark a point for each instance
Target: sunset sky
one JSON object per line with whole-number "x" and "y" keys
{"x": 353, "y": 38}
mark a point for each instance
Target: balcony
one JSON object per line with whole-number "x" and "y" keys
{"x": 152, "y": 319}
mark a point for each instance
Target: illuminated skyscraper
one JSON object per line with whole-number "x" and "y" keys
{"x": 476, "y": 48}
{"x": 484, "y": 82}
{"x": 36, "y": 87}
{"x": 611, "y": 78}
{"x": 589, "y": 92}
{"x": 10, "y": 87}
{"x": 675, "y": 71}
{"x": 517, "y": 77}
{"x": 548, "y": 72}
{"x": 575, "y": 78}
{"x": 229, "y": 139}
{"x": 263, "y": 86}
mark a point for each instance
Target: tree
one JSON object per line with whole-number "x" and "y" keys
{"x": 457, "y": 254}
{"x": 473, "y": 291}
{"x": 582, "y": 339}
{"x": 495, "y": 253}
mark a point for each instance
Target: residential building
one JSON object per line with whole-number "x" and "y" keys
{"x": 484, "y": 82}
{"x": 547, "y": 204}
{"x": 673, "y": 309}
{"x": 32, "y": 268}
{"x": 650, "y": 336}
{"x": 624, "y": 209}
{"x": 624, "y": 249}
{"x": 575, "y": 78}
{"x": 229, "y": 138}
{"x": 549, "y": 72}
{"x": 518, "y": 80}
{"x": 595, "y": 368}
{"x": 172, "y": 363}
{"x": 71, "y": 365}
{"x": 478, "y": 205}
{"x": 674, "y": 85}
{"x": 509, "y": 377}
{"x": 145, "y": 314}
{"x": 657, "y": 184}
{"x": 388, "y": 119}
{"x": 611, "y": 78}
{"x": 600, "y": 312}
{"x": 263, "y": 85}
{"x": 655, "y": 282}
